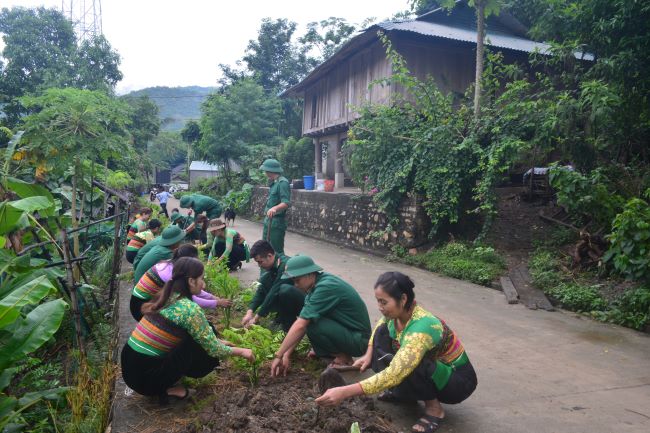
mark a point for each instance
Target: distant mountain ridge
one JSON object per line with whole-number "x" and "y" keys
{"x": 177, "y": 105}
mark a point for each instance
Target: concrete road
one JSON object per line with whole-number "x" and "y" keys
{"x": 538, "y": 371}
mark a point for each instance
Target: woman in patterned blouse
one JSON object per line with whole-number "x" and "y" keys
{"x": 174, "y": 338}
{"x": 415, "y": 354}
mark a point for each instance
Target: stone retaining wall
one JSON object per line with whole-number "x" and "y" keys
{"x": 350, "y": 219}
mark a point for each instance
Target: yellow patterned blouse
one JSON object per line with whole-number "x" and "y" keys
{"x": 424, "y": 335}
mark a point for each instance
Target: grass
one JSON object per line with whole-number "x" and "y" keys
{"x": 582, "y": 292}
{"x": 480, "y": 265}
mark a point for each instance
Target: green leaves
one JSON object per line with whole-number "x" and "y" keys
{"x": 32, "y": 332}
{"x": 630, "y": 241}
{"x": 31, "y": 292}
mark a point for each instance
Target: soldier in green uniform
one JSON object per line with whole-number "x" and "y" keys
{"x": 277, "y": 204}
{"x": 163, "y": 250}
{"x": 334, "y": 317}
{"x": 202, "y": 203}
{"x": 274, "y": 292}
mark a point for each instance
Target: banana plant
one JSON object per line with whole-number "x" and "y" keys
{"x": 26, "y": 323}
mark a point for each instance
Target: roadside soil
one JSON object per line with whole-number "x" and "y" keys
{"x": 283, "y": 404}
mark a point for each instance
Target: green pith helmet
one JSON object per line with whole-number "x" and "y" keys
{"x": 171, "y": 235}
{"x": 175, "y": 216}
{"x": 187, "y": 201}
{"x": 272, "y": 165}
{"x": 300, "y": 265}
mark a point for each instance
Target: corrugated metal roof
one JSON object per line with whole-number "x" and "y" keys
{"x": 493, "y": 38}
{"x": 203, "y": 166}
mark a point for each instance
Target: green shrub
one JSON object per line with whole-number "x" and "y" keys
{"x": 630, "y": 240}
{"x": 578, "y": 297}
{"x": 632, "y": 309}
{"x": 480, "y": 265}
{"x": 543, "y": 267}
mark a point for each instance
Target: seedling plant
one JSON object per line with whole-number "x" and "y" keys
{"x": 221, "y": 284}
{"x": 264, "y": 343}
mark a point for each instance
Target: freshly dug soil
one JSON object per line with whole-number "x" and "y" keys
{"x": 284, "y": 404}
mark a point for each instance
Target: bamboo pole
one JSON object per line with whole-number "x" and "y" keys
{"x": 117, "y": 251}
{"x": 73, "y": 292}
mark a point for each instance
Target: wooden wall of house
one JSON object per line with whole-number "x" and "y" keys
{"x": 330, "y": 101}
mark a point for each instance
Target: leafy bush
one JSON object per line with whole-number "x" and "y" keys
{"x": 297, "y": 157}
{"x": 239, "y": 200}
{"x": 5, "y": 135}
{"x": 632, "y": 309}
{"x": 480, "y": 265}
{"x": 543, "y": 267}
{"x": 588, "y": 197}
{"x": 630, "y": 240}
{"x": 578, "y": 297}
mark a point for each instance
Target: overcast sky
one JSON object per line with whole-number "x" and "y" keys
{"x": 182, "y": 42}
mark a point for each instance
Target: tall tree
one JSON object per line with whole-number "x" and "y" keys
{"x": 191, "y": 134}
{"x": 145, "y": 123}
{"x": 233, "y": 120}
{"x": 71, "y": 126}
{"x": 274, "y": 59}
{"x": 41, "y": 52}
{"x": 484, "y": 8}
{"x": 327, "y": 36}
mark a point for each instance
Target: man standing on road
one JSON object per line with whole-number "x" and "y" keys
{"x": 277, "y": 204}
{"x": 163, "y": 197}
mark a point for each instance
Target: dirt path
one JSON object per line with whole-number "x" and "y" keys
{"x": 538, "y": 371}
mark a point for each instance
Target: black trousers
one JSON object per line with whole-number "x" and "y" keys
{"x": 238, "y": 253}
{"x": 163, "y": 206}
{"x": 130, "y": 256}
{"x": 153, "y": 375}
{"x": 135, "y": 305}
{"x": 419, "y": 385}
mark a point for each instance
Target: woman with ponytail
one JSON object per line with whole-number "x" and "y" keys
{"x": 415, "y": 354}
{"x": 155, "y": 278}
{"x": 174, "y": 339}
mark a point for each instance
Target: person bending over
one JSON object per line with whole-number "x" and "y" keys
{"x": 274, "y": 292}
{"x": 227, "y": 244}
{"x": 174, "y": 339}
{"x": 334, "y": 317}
{"x": 415, "y": 354}
{"x": 139, "y": 240}
{"x": 155, "y": 278}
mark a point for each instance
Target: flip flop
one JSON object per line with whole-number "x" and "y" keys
{"x": 429, "y": 423}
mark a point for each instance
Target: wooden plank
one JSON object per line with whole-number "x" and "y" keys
{"x": 529, "y": 295}
{"x": 509, "y": 290}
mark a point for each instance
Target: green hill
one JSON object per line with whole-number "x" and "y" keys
{"x": 177, "y": 104}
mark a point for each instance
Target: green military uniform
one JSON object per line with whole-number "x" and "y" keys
{"x": 144, "y": 250}
{"x": 279, "y": 192}
{"x": 338, "y": 318}
{"x": 277, "y": 294}
{"x": 202, "y": 203}
{"x": 158, "y": 249}
{"x": 153, "y": 256}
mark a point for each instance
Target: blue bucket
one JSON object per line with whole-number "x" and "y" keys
{"x": 309, "y": 182}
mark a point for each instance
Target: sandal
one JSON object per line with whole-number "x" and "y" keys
{"x": 163, "y": 399}
{"x": 429, "y": 423}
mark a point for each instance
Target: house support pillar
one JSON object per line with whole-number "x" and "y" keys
{"x": 339, "y": 176}
{"x": 318, "y": 159}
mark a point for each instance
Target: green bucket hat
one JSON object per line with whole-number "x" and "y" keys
{"x": 186, "y": 201}
{"x": 298, "y": 266}
{"x": 171, "y": 235}
{"x": 175, "y": 216}
{"x": 272, "y": 165}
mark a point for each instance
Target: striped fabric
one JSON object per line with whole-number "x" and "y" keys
{"x": 149, "y": 285}
{"x": 137, "y": 226}
{"x": 135, "y": 243}
{"x": 155, "y": 336}
{"x": 452, "y": 349}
